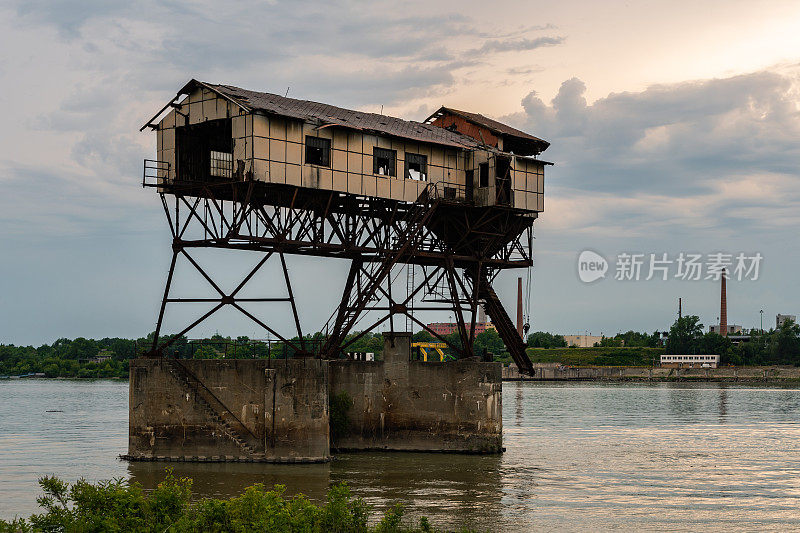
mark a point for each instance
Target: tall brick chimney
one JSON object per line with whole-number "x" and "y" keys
{"x": 519, "y": 308}
{"x": 723, "y": 308}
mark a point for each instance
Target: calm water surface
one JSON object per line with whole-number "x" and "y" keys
{"x": 580, "y": 456}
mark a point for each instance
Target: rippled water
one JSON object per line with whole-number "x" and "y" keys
{"x": 579, "y": 457}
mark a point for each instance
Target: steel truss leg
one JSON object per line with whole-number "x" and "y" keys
{"x": 382, "y": 237}
{"x": 456, "y": 301}
{"x": 164, "y": 300}
{"x": 157, "y": 349}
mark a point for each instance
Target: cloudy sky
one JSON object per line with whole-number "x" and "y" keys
{"x": 674, "y": 127}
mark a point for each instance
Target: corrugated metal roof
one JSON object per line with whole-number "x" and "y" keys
{"x": 327, "y": 114}
{"x": 497, "y": 127}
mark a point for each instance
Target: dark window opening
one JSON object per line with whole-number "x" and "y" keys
{"x": 470, "y": 186}
{"x": 383, "y": 162}
{"x": 484, "y": 174}
{"x": 416, "y": 167}
{"x": 318, "y": 151}
{"x": 503, "y": 180}
{"x": 204, "y": 151}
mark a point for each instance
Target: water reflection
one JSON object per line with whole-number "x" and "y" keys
{"x": 463, "y": 488}
{"x": 580, "y": 456}
{"x": 684, "y": 403}
{"x": 723, "y": 403}
{"x": 518, "y": 391}
{"x": 223, "y": 480}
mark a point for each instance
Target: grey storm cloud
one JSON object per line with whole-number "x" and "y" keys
{"x": 669, "y": 137}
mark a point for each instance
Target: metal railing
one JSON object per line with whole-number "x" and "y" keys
{"x": 155, "y": 173}
{"x": 247, "y": 349}
{"x": 448, "y": 191}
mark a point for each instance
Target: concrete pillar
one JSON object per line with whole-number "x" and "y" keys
{"x": 397, "y": 347}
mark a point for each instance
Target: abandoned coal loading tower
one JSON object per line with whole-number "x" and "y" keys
{"x": 456, "y": 195}
{"x": 452, "y": 200}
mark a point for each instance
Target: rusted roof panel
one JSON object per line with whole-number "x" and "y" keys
{"x": 329, "y": 114}
{"x": 489, "y": 123}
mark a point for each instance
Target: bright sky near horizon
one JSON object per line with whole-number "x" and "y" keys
{"x": 674, "y": 127}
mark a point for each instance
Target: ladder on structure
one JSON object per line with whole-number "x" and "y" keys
{"x": 410, "y": 286}
{"x": 214, "y": 409}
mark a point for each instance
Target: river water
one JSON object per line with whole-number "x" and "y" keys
{"x": 580, "y": 456}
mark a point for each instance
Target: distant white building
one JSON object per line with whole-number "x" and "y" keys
{"x": 733, "y": 329}
{"x": 780, "y": 319}
{"x": 690, "y": 361}
{"x": 583, "y": 341}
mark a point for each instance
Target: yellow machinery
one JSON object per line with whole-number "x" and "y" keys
{"x": 424, "y": 346}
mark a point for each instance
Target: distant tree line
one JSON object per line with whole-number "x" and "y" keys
{"x": 632, "y": 339}
{"x": 69, "y": 358}
{"x": 779, "y": 346}
{"x": 108, "y": 357}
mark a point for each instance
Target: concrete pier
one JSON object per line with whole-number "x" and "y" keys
{"x": 228, "y": 410}
{"x": 277, "y": 410}
{"x": 400, "y": 404}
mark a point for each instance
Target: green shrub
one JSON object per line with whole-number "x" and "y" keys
{"x": 340, "y": 405}
{"x": 120, "y": 507}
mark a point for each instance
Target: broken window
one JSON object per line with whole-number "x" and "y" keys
{"x": 383, "y": 162}
{"x": 221, "y": 164}
{"x": 318, "y": 151}
{"x": 484, "y": 174}
{"x": 416, "y": 167}
{"x": 203, "y": 151}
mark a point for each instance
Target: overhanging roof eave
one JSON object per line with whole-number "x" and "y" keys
{"x": 186, "y": 89}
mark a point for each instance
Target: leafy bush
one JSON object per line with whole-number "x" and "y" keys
{"x": 117, "y": 506}
{"x": 340, "y": 405}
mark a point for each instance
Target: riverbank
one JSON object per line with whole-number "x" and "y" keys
{"x": 560, "y": 372}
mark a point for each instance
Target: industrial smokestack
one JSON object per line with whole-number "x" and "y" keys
{"x": 519, "y": 308}
{"x": 680, "y": 314}
{"x": 723, "y": 308}
{"x": 481, "y": 315}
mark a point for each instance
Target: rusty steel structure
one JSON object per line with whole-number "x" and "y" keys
{"x": 456, "y": 246}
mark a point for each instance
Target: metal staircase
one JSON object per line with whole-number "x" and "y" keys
{"x": 375, "y": 273}
{"x": 505, "y": 328}
{"x": 215, "y": 410}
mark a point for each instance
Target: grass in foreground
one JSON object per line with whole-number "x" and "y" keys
{"x": 116, "y": 506}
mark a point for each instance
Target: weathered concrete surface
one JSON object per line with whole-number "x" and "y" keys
{"x": 277, "y": 411}
{"x": 401, "y": 404}
{"x": 557, "y": 372}
{"x": 250, "y": 410}
{"x": 298, "y": 423}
